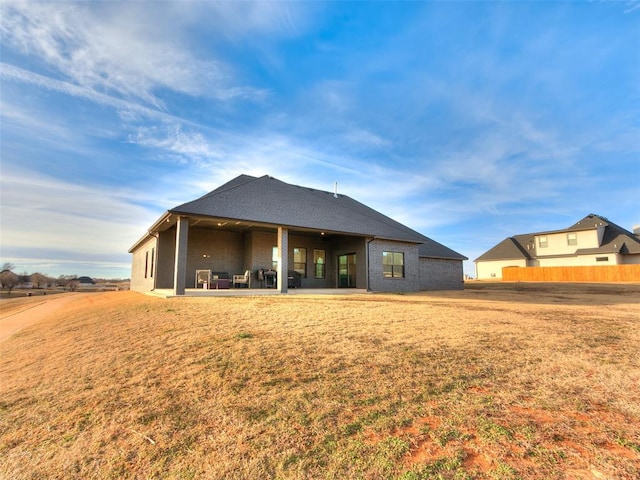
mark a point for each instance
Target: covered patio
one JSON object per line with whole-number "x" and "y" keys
{"x": 254, "y": 292}
{"x": 218, "y": 255}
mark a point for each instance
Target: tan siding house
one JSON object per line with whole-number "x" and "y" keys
{"x": 592, "y": 241}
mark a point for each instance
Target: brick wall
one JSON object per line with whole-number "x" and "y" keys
{"x": 141, "y": 261}
{"x": 215, "y": 250}
{"x": 166, "y": 258}
{"x": 378, "y": 282}
{"x": 234, "y": 252}
{"x": 441, "y": 274}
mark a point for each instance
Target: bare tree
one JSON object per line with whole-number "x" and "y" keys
{"x": 8, "y": 280}
{"x": 69, "y": 282}
{"x": 38, "y": 280}
{"x": 7, "y": 266}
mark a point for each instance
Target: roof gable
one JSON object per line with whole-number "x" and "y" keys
{"x": 511, "y": 248}
{"x": 617, "y": 239}
{"x": 589, "y": 222}
{"x": 268, "y": 200}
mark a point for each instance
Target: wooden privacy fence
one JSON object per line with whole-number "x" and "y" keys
{"x": 599, "y": 274}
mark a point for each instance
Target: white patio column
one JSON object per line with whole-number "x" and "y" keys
{"x": 283, "y": 258}
{"x": 180, "y": 269}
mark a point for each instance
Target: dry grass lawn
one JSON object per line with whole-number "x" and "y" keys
{"x": 500, "y": 381}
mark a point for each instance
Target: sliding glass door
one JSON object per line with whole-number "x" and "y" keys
{"x": 347, "y": 271}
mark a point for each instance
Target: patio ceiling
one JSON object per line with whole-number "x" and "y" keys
{"x": 235, "y": 225}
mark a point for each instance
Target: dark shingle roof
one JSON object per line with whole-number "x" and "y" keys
{"x": 619, "y": 239}
{"x": 587, "y": 223}
{"x": 433, "y": 249}
{"x": 268, "y": 200}
{"x": 615, "y": 239}
{"x": 511, "y": 248}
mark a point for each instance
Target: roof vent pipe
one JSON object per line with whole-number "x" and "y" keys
{"x": 335, "y": 189}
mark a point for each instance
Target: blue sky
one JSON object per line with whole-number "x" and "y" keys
{"x": 467, "y": 121}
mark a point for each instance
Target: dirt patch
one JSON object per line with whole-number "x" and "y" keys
{"x": 16, "y": 314}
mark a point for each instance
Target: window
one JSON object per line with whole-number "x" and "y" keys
{"x": 602, "y": 259}
{"x": 274, "y": 258}
{"x": 300, "y": 261}
{"x": 146, "y": 264}
{"x": 318, "y": 263}
{"x": 153, "y": 257}
{"x": 393, "y": 264}
{"x": 572, "y": 239}
{"x": 543, "y": 242}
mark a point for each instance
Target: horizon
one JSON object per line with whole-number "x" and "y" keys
{"x": 69, "y": 276}
{"x": 467, "y": 122}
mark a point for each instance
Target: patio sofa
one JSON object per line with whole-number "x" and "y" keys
{"x": 220, "y": 280}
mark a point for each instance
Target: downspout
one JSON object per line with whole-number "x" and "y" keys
{"x": 155, "y": 260}
{"x": 367, "y": 261}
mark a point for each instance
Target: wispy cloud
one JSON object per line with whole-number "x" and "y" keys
{"x": 27, "y": 121}
{"x": 212, "y": 157}
{"x": 173, "y": 140}
{"x": 11, "y": 72}
{"x": 631, "y": 6}
{"x": 109, "y": 50}
{"x": 254, "y": 17}
{"x": 365, "y": 139}
{"x": 86, "y": 220}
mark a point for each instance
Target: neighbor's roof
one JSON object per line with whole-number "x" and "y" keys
{"x": 615, "y": 240}
{"x": 268, "y": 200}
{"x": 511, "y": 248}
{"x": 618, "y": 240}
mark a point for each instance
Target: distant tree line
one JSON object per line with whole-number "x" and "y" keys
{"x": 10, "y": 280}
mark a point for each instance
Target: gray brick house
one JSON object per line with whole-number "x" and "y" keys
{"x": 273, "y": 230}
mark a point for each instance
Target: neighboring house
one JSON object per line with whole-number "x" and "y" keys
{"x": 324, "y": 239}
{"x": 594, "y": 240}
{"x": 86, "y": 282}
{"x": 16, "y": 281}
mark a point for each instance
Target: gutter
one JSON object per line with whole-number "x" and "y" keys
{"x": 155, "y": 260}
{"x": 162, "y": 219}
{"x": 367, "y": 261}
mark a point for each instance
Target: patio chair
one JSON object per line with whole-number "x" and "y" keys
{"x": 242, "y": 279}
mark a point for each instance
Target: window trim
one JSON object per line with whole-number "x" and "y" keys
{"x": 543, "y": 241}
{"x": 300, "y": 266}
{"x": 397, "y": 267}
{"x": 322, "y": 265}
{"x": 146, "y": 264}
